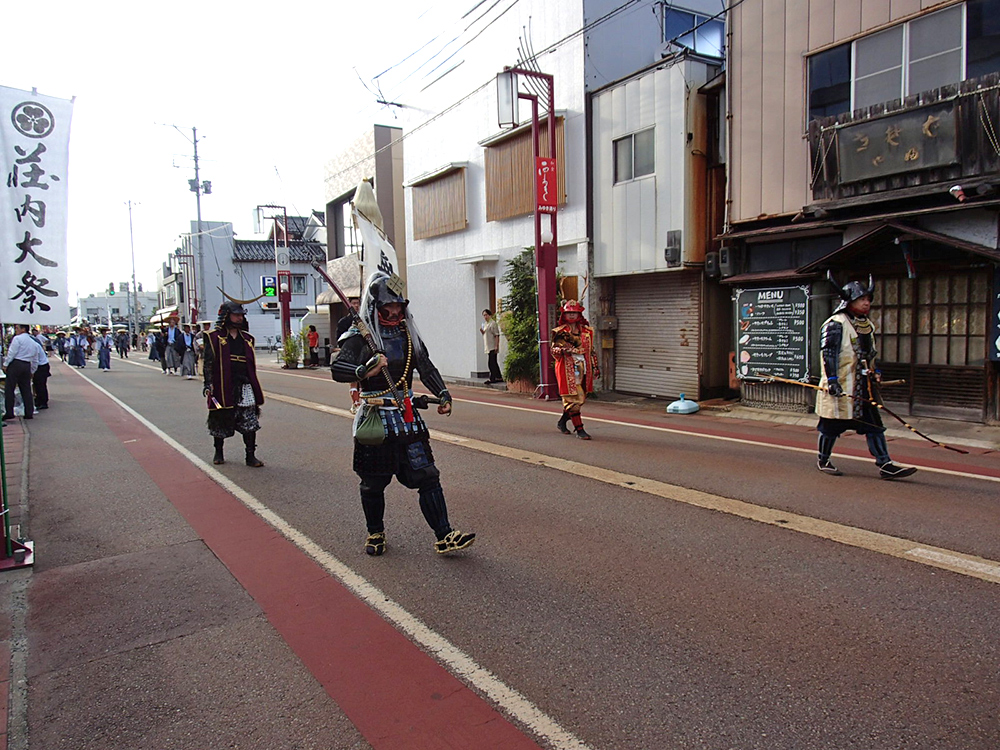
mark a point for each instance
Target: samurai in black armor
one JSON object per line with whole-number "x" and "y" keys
{"x": 405, "y": 450}
{"x": 848, "y": 398}
{"x": 233, "y": 393}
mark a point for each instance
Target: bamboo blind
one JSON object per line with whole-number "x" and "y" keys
{"x": 510, "y": 173}
{"x": 439, "y": 206}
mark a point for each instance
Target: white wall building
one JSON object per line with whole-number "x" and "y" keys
{"x": 466, "y": 216}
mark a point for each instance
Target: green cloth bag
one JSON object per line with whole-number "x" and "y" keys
{"x": 370, "y": 430}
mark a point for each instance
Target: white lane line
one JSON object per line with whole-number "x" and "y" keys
{"x": 872, "y": 541}
{"x": 987, "y": 570}
{"x": 458, "y": 663}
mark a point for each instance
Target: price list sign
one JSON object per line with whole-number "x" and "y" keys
{"x": 772, "y": 327}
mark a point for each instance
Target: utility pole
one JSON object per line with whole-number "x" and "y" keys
{"x": 133, "y": 321}
{"x": 201, "y": 255}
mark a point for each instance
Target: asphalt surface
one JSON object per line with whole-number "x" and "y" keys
{"x": 628, "y": 619}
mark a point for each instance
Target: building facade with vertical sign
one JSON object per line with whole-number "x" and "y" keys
{"x": 865, "y": 139}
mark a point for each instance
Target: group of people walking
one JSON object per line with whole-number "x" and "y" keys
{"x": 379, "y": 353}
{"x": 176, "y": 348}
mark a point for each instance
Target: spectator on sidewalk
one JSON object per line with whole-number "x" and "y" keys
{"x": 20, "y": 364}
{"x": 313, "y": 339}
{"x": 491, "y": 343}
{"x": 39, "y": 379}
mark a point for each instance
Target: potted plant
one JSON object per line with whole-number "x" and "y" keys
{"x": 290, "y": 352}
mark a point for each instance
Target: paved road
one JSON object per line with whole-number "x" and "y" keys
{"x": 691, "y": 583}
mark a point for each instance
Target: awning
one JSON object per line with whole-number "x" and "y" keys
{"x": 888, "y": 232}
{"x": 346, "y": 274}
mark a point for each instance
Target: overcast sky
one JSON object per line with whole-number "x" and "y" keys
{"x": 271, "y": 88}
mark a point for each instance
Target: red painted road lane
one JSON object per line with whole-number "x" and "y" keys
{"x": 395, "y": 694}
{"x": 762, "y": 433}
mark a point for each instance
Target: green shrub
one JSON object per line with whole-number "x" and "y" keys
{"x": 519, "y": 321}
{"x": 290, "y": 352}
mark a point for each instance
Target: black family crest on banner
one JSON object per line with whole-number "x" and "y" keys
{"x": 34, "y": 147}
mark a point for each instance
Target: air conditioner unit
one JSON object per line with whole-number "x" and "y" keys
{"x": 712, "y": 265}
{"x": 727, "y": 261}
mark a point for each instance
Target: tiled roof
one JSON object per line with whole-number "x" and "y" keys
{"x": 258, "y": 251}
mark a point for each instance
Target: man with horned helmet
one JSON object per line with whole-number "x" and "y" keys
{"x": 382, "y": 352}
{"x": 847, "y": 346}
{"x": 575, "y": 363}
{"x": 231, "y": 386}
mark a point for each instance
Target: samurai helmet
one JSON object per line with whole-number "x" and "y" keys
{"x": 851, "y": 291}
{"x": 232, "y": 305}
{"x": 383, "y": 290}
{"x": 569, "y": 306}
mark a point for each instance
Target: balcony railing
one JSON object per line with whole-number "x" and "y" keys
{"x": 948, "y": 134}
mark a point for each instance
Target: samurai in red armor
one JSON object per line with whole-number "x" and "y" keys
{"x": 383, "y": 359}
{"x": 572, "y": 347}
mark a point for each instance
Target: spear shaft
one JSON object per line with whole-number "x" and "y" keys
{"x": 362, "y": 327}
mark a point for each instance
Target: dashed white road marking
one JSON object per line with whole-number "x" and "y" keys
{"x": 509, "y": 700}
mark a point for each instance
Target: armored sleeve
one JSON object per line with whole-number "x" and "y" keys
{"x": 353, "y": 353}
{"x": 831, "y": 338}
{"x": 430, "y": 376}
{"x": 208, "y": 359}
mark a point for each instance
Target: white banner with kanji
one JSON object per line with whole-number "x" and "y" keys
{"x": 34, "y": 149}
{"x": 379, "y": 254}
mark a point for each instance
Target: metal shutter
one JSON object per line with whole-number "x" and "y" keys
{"x": 658, "y": 342}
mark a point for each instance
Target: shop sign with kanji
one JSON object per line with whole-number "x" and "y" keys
{"x": 905, "y": 142}
{"x": 34, "y": 147}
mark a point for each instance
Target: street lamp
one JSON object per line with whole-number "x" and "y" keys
{"x": 546, "y": 202}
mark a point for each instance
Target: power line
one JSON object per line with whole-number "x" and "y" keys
{"x": 551, "y": 48}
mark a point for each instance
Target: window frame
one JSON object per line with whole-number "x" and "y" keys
{"x": 905, "y": 61}
{"x": 630, "y": 137}
{"x": 296, "y": 278}
{"x": 696, "y": 18}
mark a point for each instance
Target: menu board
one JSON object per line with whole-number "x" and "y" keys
{"x": 772, "y": 333}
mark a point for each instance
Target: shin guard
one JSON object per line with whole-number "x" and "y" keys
{"x": 435, "y": 510}
{"x": 825, "y": 447}
{"x": 878, "y": 447}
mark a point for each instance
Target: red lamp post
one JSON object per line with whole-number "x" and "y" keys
{"x": 546, "y": 203}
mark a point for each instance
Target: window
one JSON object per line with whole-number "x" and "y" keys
{"x": 634, "y": 156}
{"x": 510, "y": 171}
{"x": 679, "y": 27}
{"x": 298, "y": 284}
{"x": 935, "y": 50}
{"x": 439, "y": 205}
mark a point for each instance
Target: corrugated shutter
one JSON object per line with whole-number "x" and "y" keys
{"x": 658, "y": 342}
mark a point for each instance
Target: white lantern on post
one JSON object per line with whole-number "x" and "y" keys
{"x": 507, "y": 99}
